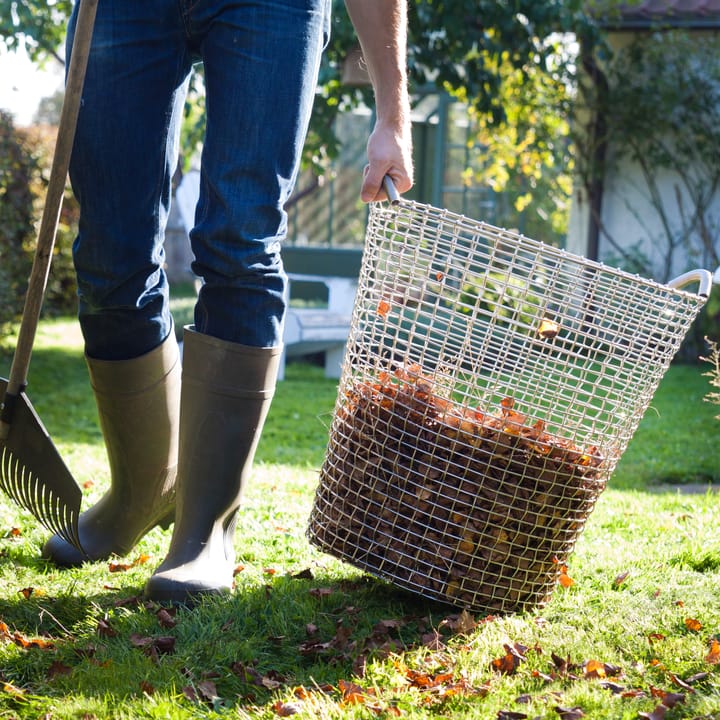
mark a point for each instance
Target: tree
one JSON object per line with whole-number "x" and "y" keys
{"x": 663, "y": 115}
{"x": 38, "y": 25}
{"x": 17, "y": 170}
{"x": 25, "y": 157}
{"x": 49, "y": 109}
{"x": 454, "y": 45}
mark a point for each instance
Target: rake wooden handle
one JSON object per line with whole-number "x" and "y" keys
{"x": 53, "y": 203}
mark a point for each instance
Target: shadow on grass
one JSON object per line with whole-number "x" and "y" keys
{"x": 289, "y": 631}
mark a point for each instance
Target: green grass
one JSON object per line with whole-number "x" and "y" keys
{"x": 301, "y": 627}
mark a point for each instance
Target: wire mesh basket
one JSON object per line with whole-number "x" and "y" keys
{"x": 490, "y": 385}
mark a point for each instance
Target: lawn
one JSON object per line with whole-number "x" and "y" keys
{"x": 634, "y": 632}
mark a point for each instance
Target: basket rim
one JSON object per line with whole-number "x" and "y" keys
{"x": 551, "y": 250}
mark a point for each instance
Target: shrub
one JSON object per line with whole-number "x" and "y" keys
{"x": 17, "y": 170}
{"x": 25, "y": 159}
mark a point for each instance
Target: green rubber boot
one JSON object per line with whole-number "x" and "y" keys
{"x": 226, "y": 393}
{"x": 138, "y": 405}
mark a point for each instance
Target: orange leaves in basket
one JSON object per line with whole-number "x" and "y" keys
{"x": 485, "y": 499}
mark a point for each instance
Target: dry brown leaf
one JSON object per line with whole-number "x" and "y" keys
{"x": 286, "y": 709}
{"x": 680, "y": 682}
{"x": 352, "y": 694}
{"x": 166, "y": 618}
{"x": 573, "y": 713}
{"x": 713, "y": 657}
{"x": 621, "y": 578}
{"x": 564, "y": 579}
{"x": 320, "y": 592}
{"x": 508, "y": 663}
{"x": 657, "y": 714}
{"x": 57, "y": 669}
{"x": 463, "y": 623}
{"x": 207, "y": 690}
{"x": 693, "y": 625}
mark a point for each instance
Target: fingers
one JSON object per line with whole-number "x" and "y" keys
{"x": 372, "y": 187}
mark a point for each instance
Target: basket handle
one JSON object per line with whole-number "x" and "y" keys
{"x": 391, "y": 190}
{"x": 700, "y": 276}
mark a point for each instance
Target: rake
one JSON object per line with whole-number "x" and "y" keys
{"x": 32, "y": 472}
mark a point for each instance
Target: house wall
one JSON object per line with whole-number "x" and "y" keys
{"x": 630, "y": 222}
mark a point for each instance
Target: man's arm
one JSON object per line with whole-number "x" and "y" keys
{"x": 381, "y": 27}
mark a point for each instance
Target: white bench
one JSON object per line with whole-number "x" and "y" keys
{"x": 310, "y": 330}
{"x": 323, "y": 326}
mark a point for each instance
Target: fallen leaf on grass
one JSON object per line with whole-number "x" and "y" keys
{"x": 598, "y": 669}
{"x": 29, "y": 592}
{"x": 713, "y": 657}
{"x": 104, "y": 629}
{"x": 614, "y": 688}
{"x": 22, "y": 640}
{"x": 124, "y": 567}
{"x": 306, "y": 574}
{"x": 58, "y": 669}
{"x": 286, "y": 709}
{"x": 595, "y": 669}
{"x": 271, "y": 680}
{"x": 657, "y": 714}
{"x": 508, "y": 663}
{"x": 681, "y": 683}
{"x": 207, "y": 691}
{"x": 320, "y": 592}
{"x": 166, "y": 618}
{"x": 693, "y": 625}
{"x": 353, "y": 694}
{"x": 621, "y": 578}
{"x": 153, "y": 646}
{"x": 463, "y": 623}
{"x": 573, "y": 713}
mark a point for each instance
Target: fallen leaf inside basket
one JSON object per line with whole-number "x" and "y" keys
{"x": 456, "y": 503}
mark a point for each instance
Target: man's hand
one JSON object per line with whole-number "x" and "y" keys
{"x": 389, "y": 153}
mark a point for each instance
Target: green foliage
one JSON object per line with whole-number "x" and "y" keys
{"x": 663, "y": 111}
{"x": 38, "y": 26}
{"x": 494, "y": 56}
{"x": 25, "y": 158}
{"x": 17, "y": 170}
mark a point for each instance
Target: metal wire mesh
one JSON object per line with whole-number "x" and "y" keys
{"x": 490, "y": 385}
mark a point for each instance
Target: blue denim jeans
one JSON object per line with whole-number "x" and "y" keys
{"x": 261, "y": 60}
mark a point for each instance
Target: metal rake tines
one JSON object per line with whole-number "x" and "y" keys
{"x": 26, "y": 488}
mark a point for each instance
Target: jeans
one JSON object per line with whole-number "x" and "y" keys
{"x": 261, "y": 60}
